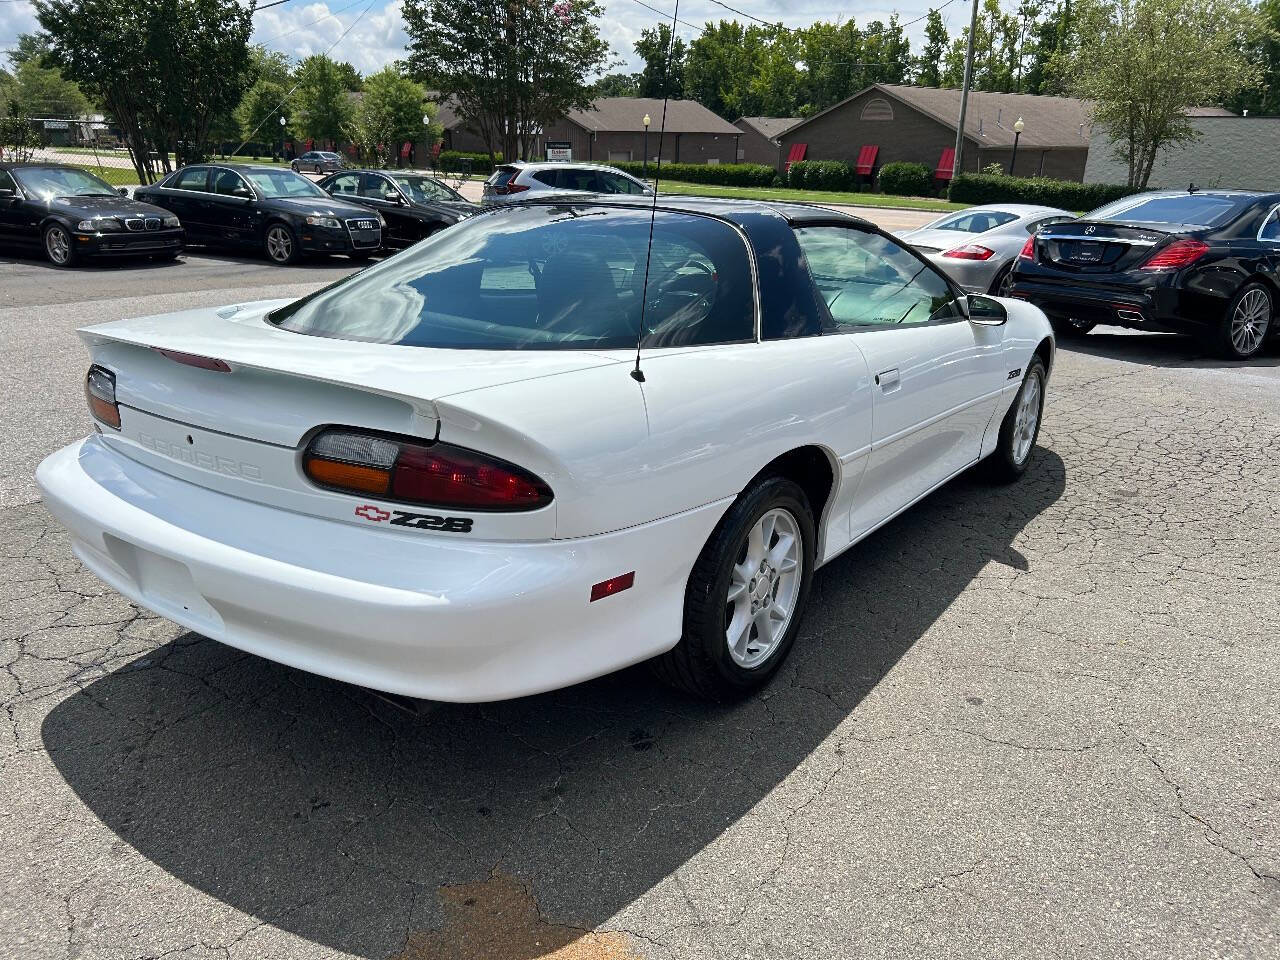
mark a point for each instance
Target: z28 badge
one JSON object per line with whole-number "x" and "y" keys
{"x": 419, "y": 521}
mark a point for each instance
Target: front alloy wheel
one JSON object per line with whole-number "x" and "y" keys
{"x": 280, "y": 244}
{"x": 746, "y": 594}
{"x": 1021, "y": 427}
{"x": 58, "y": 245}
{"x": 1248, "y": 322}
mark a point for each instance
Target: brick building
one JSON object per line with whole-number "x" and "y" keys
{"x": 612, "y": 130}
{"x": 759, "y": 142}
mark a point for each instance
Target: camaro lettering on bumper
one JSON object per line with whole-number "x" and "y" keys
{"x": 198, "y": 458}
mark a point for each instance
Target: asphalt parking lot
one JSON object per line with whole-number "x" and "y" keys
{"x": 1033, "y": 721}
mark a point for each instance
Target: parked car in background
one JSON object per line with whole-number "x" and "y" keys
{"x": 277, "y": 211}
{"x": 70, "y": 214}
{"x": 317, "y": 161}
{"x": 464, "y": 492}
{"x": 523, "y": 181}
{"x": 414, "y": 204}
{"x": 1202, "y": 262}
{"x": 977, "y": 247}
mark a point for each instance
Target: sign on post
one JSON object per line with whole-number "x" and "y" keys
{"x": 559, "y": 150}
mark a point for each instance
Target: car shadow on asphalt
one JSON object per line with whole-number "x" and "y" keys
{"x": 1164, "y": 350}
{"x": 320, "y": 809}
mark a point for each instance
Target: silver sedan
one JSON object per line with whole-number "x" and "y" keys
{"x": 977, "y": 247}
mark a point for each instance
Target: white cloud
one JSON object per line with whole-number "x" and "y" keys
{"x": 15, "y": 18}
{"x": 376, "y": 37}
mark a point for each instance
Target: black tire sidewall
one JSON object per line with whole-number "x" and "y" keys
{"x": 998, "y": 280}
{"x": 1225, "y": 346}
{"x": 1006, "y": 466}
{"x": 709, "y": 583}
{"x": 71, "y": 250}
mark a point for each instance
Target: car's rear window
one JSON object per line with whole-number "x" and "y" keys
{"x": 501, "y": 176}
{"x": 974, "y": 221}
{"x": 1191, "y": 209}
{"x": 547, "y": 278}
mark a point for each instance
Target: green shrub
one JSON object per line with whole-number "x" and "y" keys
{"x": 720, "y": 174}
{"x": 820, "y": 175}
{"x": 984, "y": 188}
{"x": 451, "y": 161}
{"x": 906, "y": 179}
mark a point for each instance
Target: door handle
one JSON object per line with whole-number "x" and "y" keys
{"x": 888, "y": 379}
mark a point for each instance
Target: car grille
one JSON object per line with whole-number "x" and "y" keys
{"x": 365, "y": 232}
{"x": 137, "y": 224}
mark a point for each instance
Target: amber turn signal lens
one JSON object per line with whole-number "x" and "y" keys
{"x": 348, "y": 476}
{"x": 100, "y": 391}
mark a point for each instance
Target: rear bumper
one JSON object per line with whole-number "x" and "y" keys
{"x": 1152, "y": 307}
{"x": 431, "y": 616}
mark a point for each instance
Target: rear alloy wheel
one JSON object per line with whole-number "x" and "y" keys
{"x": 746, "y": 595}
{"x": 1020, "y": 428}
{"x": 58, "y": 245}
{"x": 1068, "y": 327}
{"x": 1002, "y": 285}
{"x": 1248, "y": 323}
{"x": 280, "y": 244}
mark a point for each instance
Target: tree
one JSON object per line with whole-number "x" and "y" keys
{"x": 658, "y": 78}
{"x": 321, "y": 105}
{"x": 163, "y": 69}
{"x": 28, "y": 47}
{"x": 18, "y": 137}
{"x": 511, "y": 67}
{"x": 1264, "y": 96}
{"x": 720, "y": 65}
{"x": 928, "y": 71}
{"x": 259, "y": 111}
{"x": 42, "y": 92}
{"x": 1122, "y": 63}
{"x": 390, "y": 113}
{"x": 350, "y": 76}
{"x": 617, "y": 85}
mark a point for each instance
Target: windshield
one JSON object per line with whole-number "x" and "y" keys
{"x": 546, "y": 278}
{"x": 46, "y": 182}
{"x": 974, "y": 221}
{"x": 1192, "y": 209}
{"x": 425, "y": 189}
{"x": 284, "y": 183}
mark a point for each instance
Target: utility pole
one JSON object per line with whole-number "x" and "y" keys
{"x": 964, "y": 92}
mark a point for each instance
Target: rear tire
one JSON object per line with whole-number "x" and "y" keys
{"x": 59, "y": 246}
{"x": 1002, "y": 282}
{"x": 1020, "y": 428}
{"x": 1071, "y": 329}
{"x": 746, "y": 595}
{"x": 1247, "y": 323}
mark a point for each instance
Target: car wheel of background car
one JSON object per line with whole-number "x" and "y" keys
{"x": 1247, "y": 324}
{"x": 294, "y": 167}
{"x": 1070, "y": 327}
{"x": 746, "y": 594}
{"x": 58, "y": 245}
{"x": 1002, "y": 283}
{"x": 1021, "y": 427}
{"x": 280, "y": 243}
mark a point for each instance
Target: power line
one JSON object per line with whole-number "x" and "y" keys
{"x": 309, "y": 23}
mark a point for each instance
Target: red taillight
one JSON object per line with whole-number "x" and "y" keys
{"x": 970, "y": 251}
{"x": 409, "y": 471}
{"x": 100, "y": 391}
{"x": 1176, "y": 255}
{"x": 1028, "y": 249}
{"x": 516, "y": 188}
{"x": 193, "y": 360}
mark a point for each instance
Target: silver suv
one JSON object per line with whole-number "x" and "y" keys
{"x": 512, "y": 182}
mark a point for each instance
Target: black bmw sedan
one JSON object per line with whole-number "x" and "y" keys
{"x": 414, "y": 204}
{"x": 70, "y": 214}
{"x": 1203, "y": 262}
{"x": 271, "y": 209}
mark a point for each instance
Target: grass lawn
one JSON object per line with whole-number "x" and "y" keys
{"x": 810, "y": 196}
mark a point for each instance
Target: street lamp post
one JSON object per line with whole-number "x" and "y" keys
{"x": 1017, "y": 133}
{"x": 645, "y": 167}
{"x": 283, "y": 121}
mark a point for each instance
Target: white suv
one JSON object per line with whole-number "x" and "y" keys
{"x": 511, "y": 182}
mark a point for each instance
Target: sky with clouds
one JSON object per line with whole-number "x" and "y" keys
{"x": 376, "y": 31}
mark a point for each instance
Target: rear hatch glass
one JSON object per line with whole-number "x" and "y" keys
{"x": 501, "y": 177}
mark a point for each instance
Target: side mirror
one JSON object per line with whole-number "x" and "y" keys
{"x": 123, "y": 191}
{"x": 986, "y": 312}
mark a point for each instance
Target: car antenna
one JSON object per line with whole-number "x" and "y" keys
{"x": 637, "y": 374}
{"x": 1191, "y": 188}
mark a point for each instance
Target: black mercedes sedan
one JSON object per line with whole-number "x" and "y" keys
{"x": 1203, "y": 262}
{"x": 271, "y": 209}
{"x": 414, "y": 204}
{"x": 70, "y": 214}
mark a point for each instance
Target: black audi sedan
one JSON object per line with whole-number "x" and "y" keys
{"x": 1203, "y": 262}
{"x": 414, "y": 204}
{"x": 70, "y": 214}
{"x": 271, "y": 209}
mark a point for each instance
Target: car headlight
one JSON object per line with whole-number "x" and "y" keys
{"x": 172, "y": 221}
{"x": 98, "y": 225}
{"x": 329, "y": 222}
{"x": 382, "y": 221}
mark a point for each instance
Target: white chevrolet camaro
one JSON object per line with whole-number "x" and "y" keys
{"x": 446, "y": 476}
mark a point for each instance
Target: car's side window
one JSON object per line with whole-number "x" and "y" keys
{"x": 868, "y": 280}
{"x": 378, "y": 188}
{"x": 346, "y": 183}
{"x": 612, "y": 183}
{"x": 546, "y": 176}
{"x": 1271, "y": 227}
{"x": 6, "y": 181}
{"x": 193, "y": 178}
{"x": 230, "y": 184}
